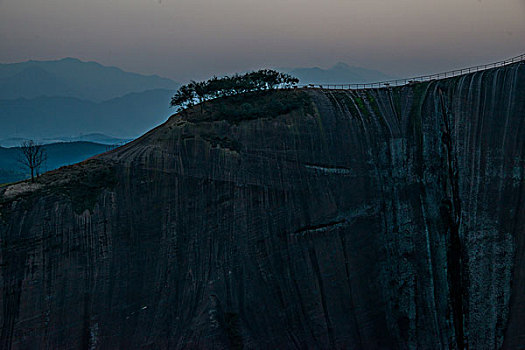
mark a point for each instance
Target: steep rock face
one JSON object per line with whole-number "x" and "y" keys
{"x": 362, "y": 219}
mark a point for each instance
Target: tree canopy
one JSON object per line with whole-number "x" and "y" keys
{"x": 261, "y": 80}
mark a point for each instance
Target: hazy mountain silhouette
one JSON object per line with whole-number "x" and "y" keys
{"x": 58, "y": 117}
{"x": 70, "y": 77}
{"x": 93, "y": 137}
{"x": 341, "y": 73}
{"x": 58, "y": 154}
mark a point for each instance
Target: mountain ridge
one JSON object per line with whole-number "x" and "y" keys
{"x": 74, "y": 78}
{"x": 47, "y": 117}
{"x": 339, "y": 73}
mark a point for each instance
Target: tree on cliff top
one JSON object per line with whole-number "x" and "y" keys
{"x": 33, "y": 156}
{"x": 261, "y": 80}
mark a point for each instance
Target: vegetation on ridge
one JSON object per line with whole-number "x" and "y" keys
{"x": 198, "y": 92}
{"x": 252, "y": 105}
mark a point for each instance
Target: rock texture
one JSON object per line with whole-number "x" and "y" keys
{"x": 378, "y": 219}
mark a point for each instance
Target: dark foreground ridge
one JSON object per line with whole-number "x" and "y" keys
{"x": 388, "y": 218}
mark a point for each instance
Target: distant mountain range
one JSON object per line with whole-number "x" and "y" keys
{"x": 58, "y": 154}
{"x": 63, "y": 117}
{"x": 70, "y": 77}
{"x": 341, "y": 73}
{"x": 95, "y": 137}
{"x": 68, "y": 97}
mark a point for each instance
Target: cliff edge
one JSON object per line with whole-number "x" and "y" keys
{"x": 388, "y": 218}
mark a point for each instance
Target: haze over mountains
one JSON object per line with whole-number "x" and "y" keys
{"x": 51, "y": 117}
{"x": 95, "y": 137}
{"x": 340, "y": 73}
{"x": 70, "y": 77}
{"x": 58, "y": 154}
{"x": 69, "y": 98}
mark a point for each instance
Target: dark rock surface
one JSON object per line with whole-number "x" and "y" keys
{"x": 379, "y": 219}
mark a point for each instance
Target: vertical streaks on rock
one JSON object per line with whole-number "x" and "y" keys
{"x": 389, "y": 218}
{"x": 451, "y": 216}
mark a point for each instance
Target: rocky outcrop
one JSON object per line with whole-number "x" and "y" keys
{"x": 374, "y": 219}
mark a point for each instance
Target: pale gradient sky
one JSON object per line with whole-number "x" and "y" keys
{"x": 184, "y": 39}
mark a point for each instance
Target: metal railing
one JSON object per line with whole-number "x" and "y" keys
{"x": 408, "y": 81}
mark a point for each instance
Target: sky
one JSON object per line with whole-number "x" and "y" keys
{"x": 194, "y": 39}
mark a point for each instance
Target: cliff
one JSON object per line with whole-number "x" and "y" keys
{"x": 375, "y": 219}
